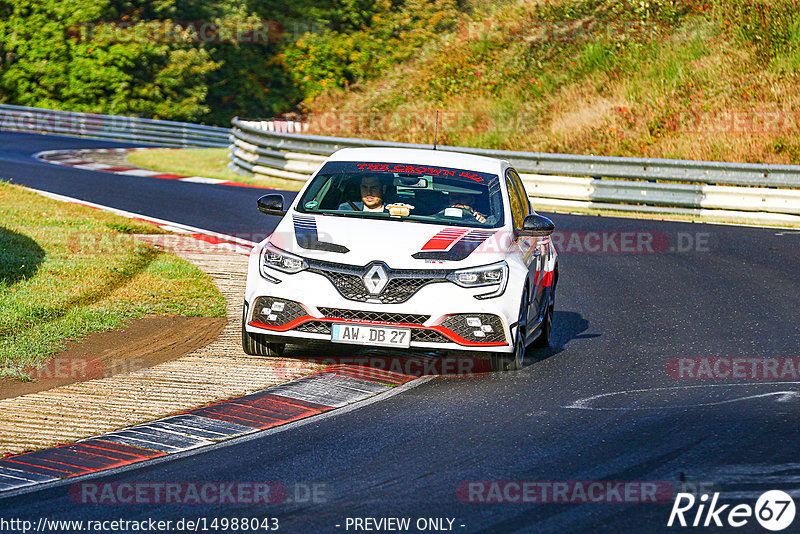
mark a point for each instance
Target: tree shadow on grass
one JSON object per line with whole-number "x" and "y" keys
{"x": 20, "y": 257}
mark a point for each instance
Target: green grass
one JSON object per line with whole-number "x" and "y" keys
{"x": 68, "y": 270}
{"x": 207, "y": 162}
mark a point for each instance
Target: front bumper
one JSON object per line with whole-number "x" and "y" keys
{"x": 440, "y": 315}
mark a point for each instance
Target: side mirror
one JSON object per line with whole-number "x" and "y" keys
{"x": 536, "y": 226}
{"x": 271, "y": 205}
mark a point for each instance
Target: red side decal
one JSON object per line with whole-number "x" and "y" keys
{"x": 445, "y": 239}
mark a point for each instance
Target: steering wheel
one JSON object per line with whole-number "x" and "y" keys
{"x": 471, "y": 211}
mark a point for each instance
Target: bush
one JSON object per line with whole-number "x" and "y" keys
{"x": 363, "y": 49}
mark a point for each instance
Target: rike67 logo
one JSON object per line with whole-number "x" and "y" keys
{"x": 774, "y": 510}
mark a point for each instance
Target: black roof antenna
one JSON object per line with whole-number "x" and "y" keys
{"x": 436, "y": 130}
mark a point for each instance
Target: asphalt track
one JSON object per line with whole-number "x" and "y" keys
{"x": 598, "y": 406}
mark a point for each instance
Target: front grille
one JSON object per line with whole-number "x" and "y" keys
{"x": 276, "y": 312}
{"x": 478, "y": 327}
{"x": 315, "y": 327}
{"x": 402, "y": 283}
{"x": 427, "y": 336}
{"x": 371, "y": 316}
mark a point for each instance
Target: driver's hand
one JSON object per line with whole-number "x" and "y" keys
{"x": 478, "y": 217}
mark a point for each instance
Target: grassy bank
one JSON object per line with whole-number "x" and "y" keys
{"x": 714, "y": 80}
{"x": 68, "y": 270}
{"x": 207, "y": 162}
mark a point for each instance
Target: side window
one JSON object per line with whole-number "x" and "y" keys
{"x": 523, "y": 195}
{"x": 513, "y": 200}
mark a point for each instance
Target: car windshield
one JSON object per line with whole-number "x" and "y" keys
{"x": 399, "y": 191}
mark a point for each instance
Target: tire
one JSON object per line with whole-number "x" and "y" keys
{"x": 257, "y": 344}
{"x": 501, "y": 361}
{"x": 543, "y": 339}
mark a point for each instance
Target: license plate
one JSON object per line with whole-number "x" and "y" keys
{"x": 371, "y": 335}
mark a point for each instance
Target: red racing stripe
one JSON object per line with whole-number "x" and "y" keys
{"x": 278, "y": 407}
{"x": 33, "y": 466}
{"x": 368, "y": 374}
{"x": 95, "y": 448}
{"x": 254, "y": 417}
{"x": 79, "y": 458}
{"x": 239, "y": 184}
{"x": 121, "y": 447}
{"x": 211, "y": 239}
{"x": 444, "y": 239}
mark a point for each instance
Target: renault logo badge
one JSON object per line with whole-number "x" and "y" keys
{"x": 375, "y": 279}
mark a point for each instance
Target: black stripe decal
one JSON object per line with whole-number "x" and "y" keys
{"x": 305, "y": 231}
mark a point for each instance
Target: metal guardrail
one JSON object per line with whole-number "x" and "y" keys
{"x": 273, "y": 148}
{"x": 708, "y": 190}
{"x": 130, "y": 129}
{"x": 651, "y": 169}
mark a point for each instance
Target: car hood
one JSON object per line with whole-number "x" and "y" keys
{"x": 399, "y": 244}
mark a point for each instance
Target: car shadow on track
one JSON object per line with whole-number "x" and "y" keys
{"x": 567, "y": 326}
{"x": 417, "y": 363}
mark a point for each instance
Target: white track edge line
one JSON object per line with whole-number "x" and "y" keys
{"x": 131, "y": 215}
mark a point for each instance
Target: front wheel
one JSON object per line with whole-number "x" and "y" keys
{"x": 257, "y": 344}
{"x": 543, "y": 339}
{"x": 501, "y": 361}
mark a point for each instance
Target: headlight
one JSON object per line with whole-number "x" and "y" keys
{"x": 488, "y": 275}
{"x": 280, "y": 260}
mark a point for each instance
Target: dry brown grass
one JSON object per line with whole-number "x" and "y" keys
{"x": 694, "y": 91}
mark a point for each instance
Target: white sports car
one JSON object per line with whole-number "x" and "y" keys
{"x": 407, "y": 249}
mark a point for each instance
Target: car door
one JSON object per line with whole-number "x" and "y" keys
{"x": 525, "y": 247}
{"x": 534, "y": 250}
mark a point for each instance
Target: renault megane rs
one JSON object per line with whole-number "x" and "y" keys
{"x": 406, "y": 249}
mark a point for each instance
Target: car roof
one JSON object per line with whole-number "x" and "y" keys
{"x": 440, "y": 158}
